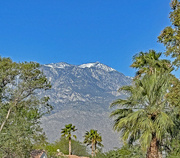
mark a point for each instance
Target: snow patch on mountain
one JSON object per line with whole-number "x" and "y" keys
{"x": 49, "y": 65}
{"x": 130, "y": 77}
{"x": 97, "y": 65}
{"x": 60, "y": 65}
{"x": 63, "y": 65}
{"x": 87, "y": 65}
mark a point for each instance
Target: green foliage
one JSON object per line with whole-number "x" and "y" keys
{"x": 175, "y": 148}
{"x": 92, "y": 136}
{"x": 67, "y": 133}
{"x": 94, "y": 139}
{"x": 153, "y": 105}
{"x": 149, "y": 63}
{"x": 77, "y": 148}
{"x": 172, "y": 143}
{"x": 20, "y": 109}
{"x": 170, "y": 36}
{"x": 174, "y": 93}
{"x": 145, "y": 115}
{"x": 125, "y": 152}
{"x": 68, "y": 130}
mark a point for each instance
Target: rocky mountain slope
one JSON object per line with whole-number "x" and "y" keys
{"x": 81, "y": 95}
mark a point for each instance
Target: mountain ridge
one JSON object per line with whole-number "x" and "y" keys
{"x": 87, "y": 65}
{"x": 81, "y": 94}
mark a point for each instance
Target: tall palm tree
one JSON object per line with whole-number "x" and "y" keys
{"x": 149, "y": 63}
{"x": 93, "y": 138}
{"x": 143, "y": 115}
{"x": 67, "y": 133}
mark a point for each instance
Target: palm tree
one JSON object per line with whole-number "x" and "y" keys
{"x": 67, "y": 133}
{"x": 93, "y": 138}
{"x": 149, "y": 63}
{"x": 143, "y": 115}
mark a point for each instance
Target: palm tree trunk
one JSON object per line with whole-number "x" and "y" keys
{"x": 95, "y": 149}
{"x": 92, "y": 153}
{"x": 153, "y": 149}
{"x": 70, "y": 146}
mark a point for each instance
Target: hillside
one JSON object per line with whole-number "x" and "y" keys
{"x": 81, "y": 95}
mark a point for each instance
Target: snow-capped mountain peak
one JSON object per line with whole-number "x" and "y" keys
{"x": 88, "y": 65}
{"x": 97, "y": 65}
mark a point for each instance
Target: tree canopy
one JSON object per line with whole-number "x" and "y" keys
{"x": 67, "y": 132}
{"x": 143, "y": 115}
{"x": 94, "y": 139}
{"x": 20, "y": 107}
{"x": 149, "y": 63}
{"x": 170, "y": 36}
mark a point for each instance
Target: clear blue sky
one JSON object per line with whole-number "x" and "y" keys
{"x": 81, "y": 31}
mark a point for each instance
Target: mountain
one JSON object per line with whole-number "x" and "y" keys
{"x": 81, "y": 95}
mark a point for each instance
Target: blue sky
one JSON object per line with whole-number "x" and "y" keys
{"x": 81, "y": 31}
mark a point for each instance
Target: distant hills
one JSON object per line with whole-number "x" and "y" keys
{"x": 81, "y": 95}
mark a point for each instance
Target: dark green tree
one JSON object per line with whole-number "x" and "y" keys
{"x": 143, "y": 115}
{"x": 170, "y": 36}
{"x": 172, "y": 144}
{"x": 20, "y": 107}
{"x": 60, "y": 147}
{"x": 94, "y": 139}
{"x": 126, "y": 151}
{"x": 67, "y": 133}
{"x": 149, "y": 63}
